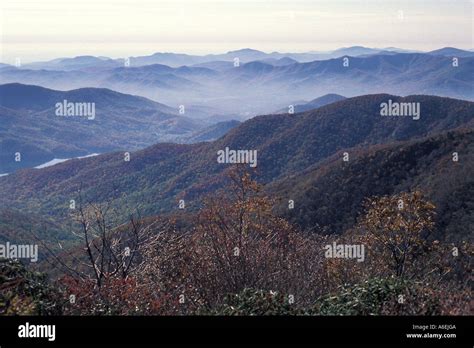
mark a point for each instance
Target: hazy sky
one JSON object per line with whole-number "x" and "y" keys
{"x": 38, "y": 30}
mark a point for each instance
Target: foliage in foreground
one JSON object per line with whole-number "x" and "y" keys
{"x": 23, "y": 292}
{"x": 256, "y": 303}
{"x": 238, "y": 258}
{"x": 378, "y": 296}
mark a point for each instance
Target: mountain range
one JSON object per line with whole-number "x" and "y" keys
{"x": 179, "y": 59}
{"x": 299, "y": 158}
{"x": 244, "y": 55}
{"x": 262, "y": 83}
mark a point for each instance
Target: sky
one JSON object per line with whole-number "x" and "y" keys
{"x": 34, "y": 30}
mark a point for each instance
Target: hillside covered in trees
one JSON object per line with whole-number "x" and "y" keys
{"x": 239, "y": 258}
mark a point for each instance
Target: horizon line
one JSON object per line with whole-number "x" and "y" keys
{"x": 210, "y": 53}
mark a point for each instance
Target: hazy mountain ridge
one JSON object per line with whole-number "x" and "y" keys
{"x": 313, "y": 104}
{"x": 244, "y": 55}
{"x": 257, "y": 87}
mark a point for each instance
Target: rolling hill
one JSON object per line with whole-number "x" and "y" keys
{"x": 29, "y": 124}
{"x": 329, "y": 197}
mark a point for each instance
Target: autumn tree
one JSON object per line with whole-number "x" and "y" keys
{"x": 396, "y": 229}
{"x": 239, "y": 243}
